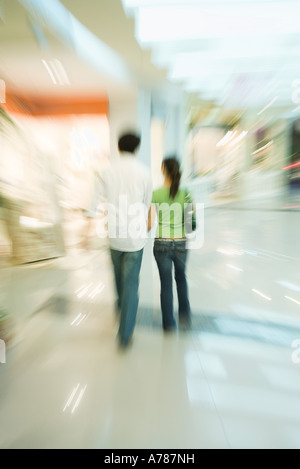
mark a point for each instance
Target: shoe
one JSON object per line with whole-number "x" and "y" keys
{"x": 117, "y": 310}
{"x": 185, "y": 324}
{"x": 169, "y": 330}
{"x": 124, "y": 345}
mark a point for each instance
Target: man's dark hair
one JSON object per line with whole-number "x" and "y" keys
{"x": 129, "y": 143}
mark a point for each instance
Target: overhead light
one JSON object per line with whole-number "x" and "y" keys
{"x": 60, "y": 71}
{"x": 71, "y": 399}
{"x": 79, "y": 398}
{"x": 57, "y": 72}
{"x": 268, "y": 105}
{"x": 50, "y": 72}
{"x": 195, "y": 21}
{"x": 238, "y": 138}
{"x": 59, "y": 21}
{"x": 235, "y": 53}
{"x": 232, "y": 138}
{"x": 261, "y": 294}
{"x": 227, "y": 138}
{"x": 263, "y": 148}
{"x": 293, "y": 300}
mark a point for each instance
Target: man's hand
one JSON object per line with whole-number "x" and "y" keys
{"x": 85, "y": 243}
{"x": 151, "y": 217}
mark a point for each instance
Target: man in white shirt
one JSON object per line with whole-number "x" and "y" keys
{"x": 127, "y": 188}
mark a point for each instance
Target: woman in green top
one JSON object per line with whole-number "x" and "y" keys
{"x": 169, "y": 203}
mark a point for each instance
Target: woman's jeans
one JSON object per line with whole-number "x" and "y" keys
{"x": 168, "y": 253}
{"x": 127, "y": 266}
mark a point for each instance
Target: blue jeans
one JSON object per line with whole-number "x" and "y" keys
{"x": 168, "y": 253}
{"x": 127, "y": 266}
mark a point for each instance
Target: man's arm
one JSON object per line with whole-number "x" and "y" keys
{"x": 149, "y": 205}
{"x": 98, "y": 193}
{"x": 91, "y": 212}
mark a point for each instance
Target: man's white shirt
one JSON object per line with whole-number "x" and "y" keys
{"x": 125, "y": 190}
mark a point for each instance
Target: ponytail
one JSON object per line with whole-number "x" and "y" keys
{"x": 172, "y": 168}
{"x": 175, "y": 185}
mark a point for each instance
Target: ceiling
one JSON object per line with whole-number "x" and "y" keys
{"x": 233, "y": 58}
{"x": 28, "y": 43}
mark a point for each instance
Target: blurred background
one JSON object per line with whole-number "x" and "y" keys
{"x": 217, "y": 83}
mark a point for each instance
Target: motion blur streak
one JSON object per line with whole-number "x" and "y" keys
{"x": 216, "y": 85}
{"x": 59, "y": 21}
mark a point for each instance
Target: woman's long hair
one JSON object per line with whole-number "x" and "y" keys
{"x": 172, "y": 168}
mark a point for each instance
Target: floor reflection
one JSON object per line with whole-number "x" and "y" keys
{"x": 269, "y": 333}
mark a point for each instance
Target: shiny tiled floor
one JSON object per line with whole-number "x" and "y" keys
{"x": 231, "y": 382}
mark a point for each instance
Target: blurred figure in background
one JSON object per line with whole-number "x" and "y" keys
{"x": 169, "y": 203}
{"x": 127, "y": 187}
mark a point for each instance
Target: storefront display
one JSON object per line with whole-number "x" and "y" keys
{"x": 78, "y": 149}
{"x": 267, "y": 156}
{"x": 293, "y": 166}
{"x": 30, "y": 223}
{"x": 49, "y": 162}
{"x": 217, "y": 157}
